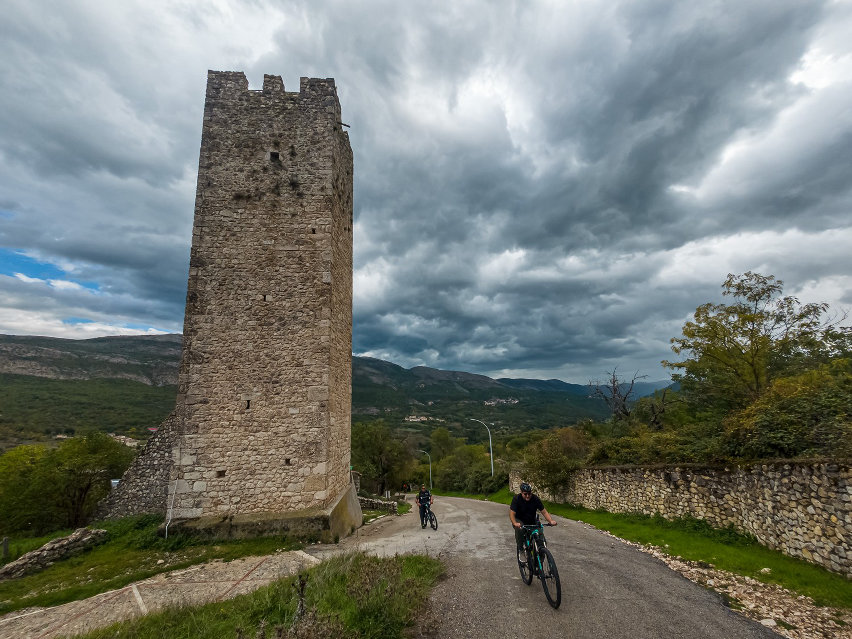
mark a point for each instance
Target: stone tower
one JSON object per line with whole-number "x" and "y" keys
{"x": 260, "y": 437}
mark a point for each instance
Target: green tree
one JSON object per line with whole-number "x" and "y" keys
{"x": 22, "y": 504}
{"x": 442, "y": 443}
{"x": 379, "y": 456}
{"x": 735, "y": 350}
{"x": 44, "y": 489}
{"x": 81, "y": 469}
{"x": 550, "y": 462}
{"x": 467, "y": 469}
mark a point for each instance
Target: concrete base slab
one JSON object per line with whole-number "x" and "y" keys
{"x": 327, "y": 525}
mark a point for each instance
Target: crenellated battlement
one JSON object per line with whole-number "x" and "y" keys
{"x": 223, "y": 86}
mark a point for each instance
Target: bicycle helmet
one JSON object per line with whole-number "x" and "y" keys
{"x": 526, "y": 488}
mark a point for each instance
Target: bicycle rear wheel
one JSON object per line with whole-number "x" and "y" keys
{"x": 550, "y": 578}
{"x": 433, "y": 521}
{"x": 525, "y": 566}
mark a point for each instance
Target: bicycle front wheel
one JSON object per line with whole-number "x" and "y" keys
{"x": 550, "y": 578}
{"x": 433, "y": 521}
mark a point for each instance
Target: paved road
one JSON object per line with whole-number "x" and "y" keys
{"x": 609, "y": 590}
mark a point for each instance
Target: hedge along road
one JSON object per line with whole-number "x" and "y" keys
{"x": 609, "y": 590}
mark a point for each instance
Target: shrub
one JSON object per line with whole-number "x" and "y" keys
{"x": 550, "y": 462}
{"x": 807, "y": 415}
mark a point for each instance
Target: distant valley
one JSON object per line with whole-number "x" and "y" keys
{"x": 50, "y": 386}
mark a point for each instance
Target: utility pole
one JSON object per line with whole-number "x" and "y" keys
{"x": 490, "y": 449}
{"x": 430, "y": 465}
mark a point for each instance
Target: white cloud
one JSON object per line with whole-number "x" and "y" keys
{"x": 29, "y": 280}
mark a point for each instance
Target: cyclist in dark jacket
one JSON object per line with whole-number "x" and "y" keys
{"x": 424, "y": 498}
{"x": 523, "y": 511}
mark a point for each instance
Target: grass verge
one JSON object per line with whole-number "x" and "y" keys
{"x": 351, "y": 595}
{"x": 131, "y": 553}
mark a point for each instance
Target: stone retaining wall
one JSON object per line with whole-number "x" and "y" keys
{"x": 145, "y": 486}
{"x": 54, "y": 550}
{"x": 803, "y": 510}
{"x": 378, "y": 504}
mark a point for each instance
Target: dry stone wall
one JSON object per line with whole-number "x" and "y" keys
{"x": 803, "y": 510}
{"x": 262, "y": 419}
{"x": 144, "y": 487}
{"x": 80, "y": 540}
{"x": 379, "y": 504}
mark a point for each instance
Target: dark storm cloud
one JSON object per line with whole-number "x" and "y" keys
{"x": 541, "y": 189}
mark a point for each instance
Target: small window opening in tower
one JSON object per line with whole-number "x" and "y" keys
{"x": 220, "y": 473}
{"x": 313, "y": 231}
{"x": 266, "y": 298}
{"x": 286, "y": 461}
{"x": 274, "y": 156}
{"x": 248, "y": 404}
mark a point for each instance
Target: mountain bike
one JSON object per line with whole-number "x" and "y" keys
{"x": 534, "y": 559}
{"x": 430, "y": 517}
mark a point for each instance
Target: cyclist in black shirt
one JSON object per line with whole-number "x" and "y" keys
{"x": 424, "y": 497}
{"x": 523, "y": 510}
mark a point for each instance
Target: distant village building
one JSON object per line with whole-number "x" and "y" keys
{"x": 498, "y": 402}
{"x": 127, "y": 441}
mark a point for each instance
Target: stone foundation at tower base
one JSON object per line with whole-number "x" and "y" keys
{"x": 326, "y": 525}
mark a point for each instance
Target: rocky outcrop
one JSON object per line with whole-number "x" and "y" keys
{"x": 148, "y": 359}
{"x": 54, "y": 550}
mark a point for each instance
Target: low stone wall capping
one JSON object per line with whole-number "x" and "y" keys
{"x": 802, "y": 509}
{"x": 378, "y": 504}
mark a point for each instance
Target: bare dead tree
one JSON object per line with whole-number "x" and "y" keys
{"x": 616, "y": 393}
{"x": 657, "y": 408}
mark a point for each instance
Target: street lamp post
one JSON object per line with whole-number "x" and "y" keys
{"x": 490, "y": 449}
{"x": 430, "y": 466}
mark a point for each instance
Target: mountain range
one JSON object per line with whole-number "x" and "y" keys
{"x": 142, "y": 370}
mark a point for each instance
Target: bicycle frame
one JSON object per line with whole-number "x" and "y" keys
{"x": 533, "y": 540}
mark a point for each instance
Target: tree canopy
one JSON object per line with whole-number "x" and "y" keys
{"x": 734, "y": 350}
{"x": 44, "y": 489}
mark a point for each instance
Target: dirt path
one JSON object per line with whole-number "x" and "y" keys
{"x": 197, "y": 585}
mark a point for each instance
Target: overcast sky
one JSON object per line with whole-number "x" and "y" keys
{"x": 542, "y": 189}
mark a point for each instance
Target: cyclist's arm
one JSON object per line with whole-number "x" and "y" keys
{"x": 514, "y": 521}
{"x": 548, "y": 517}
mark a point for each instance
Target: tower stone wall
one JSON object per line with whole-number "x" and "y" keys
{"x": 262, "y": 419}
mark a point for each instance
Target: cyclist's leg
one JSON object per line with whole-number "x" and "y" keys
{"x": 519, "y": 537}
